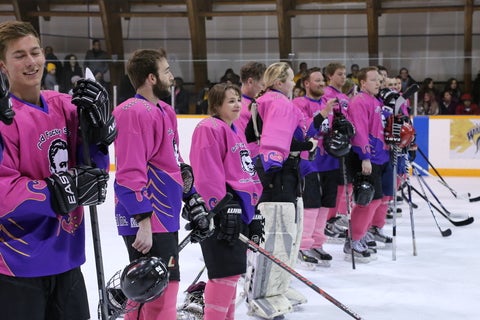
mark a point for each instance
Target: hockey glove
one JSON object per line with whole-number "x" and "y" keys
{"x": 256, "y": 228}
{"x": 196, "y": 213}
{"x": 187, "y": 177}
{"x": 79, "y": 186}
{"x": 6, "y": 111}
{"x": 230, "y": 223}
{"x": 389, "y": 98}
{"x": 92, "y": 97}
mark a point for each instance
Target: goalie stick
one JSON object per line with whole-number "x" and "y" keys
{"x": 256, "y": 248}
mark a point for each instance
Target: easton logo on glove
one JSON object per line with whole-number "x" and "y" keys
{"x": 234, "y": 210}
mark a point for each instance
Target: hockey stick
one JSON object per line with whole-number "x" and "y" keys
{"x": 97, "y": 247}
{"x": 349, "y": 211}
{"x": 446, "y": 232}
{"x": 394, "y": 216}
{"x": 256, "y": 248}
{"x": 456, "y": 223}
{"x": 447, "y": 212}
{"x": 410, "y": 206}
{"x": 442, "y": 181}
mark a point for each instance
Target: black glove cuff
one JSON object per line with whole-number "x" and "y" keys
{"x": 142, "y": 216}
{"x": 64, "y": 195}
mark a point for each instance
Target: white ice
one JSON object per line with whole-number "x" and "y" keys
{"x": 441, "y": 282}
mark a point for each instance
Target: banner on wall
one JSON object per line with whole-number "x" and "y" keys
{"x": 464, "y": 138}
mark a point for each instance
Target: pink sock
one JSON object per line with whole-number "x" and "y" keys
{"x": 318, "y": 235}
{"x": 220, "y": 297}
{"x": 380, "y": 215}
{"x": 362, "y": 218}
{"x": 164, "y": 307}
{"x": 310, "y": 216}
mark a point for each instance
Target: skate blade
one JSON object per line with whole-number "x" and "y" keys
{"x": 348, "y": 257}
{"x": 332, "y": 240}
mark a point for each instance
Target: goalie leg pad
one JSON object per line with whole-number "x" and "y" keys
{"x": 266, "y": 283}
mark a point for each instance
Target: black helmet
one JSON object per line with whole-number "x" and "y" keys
{"x": 363, "y": 190}
{"x": 144, "y": 279}
{"x": 336, "y": 144}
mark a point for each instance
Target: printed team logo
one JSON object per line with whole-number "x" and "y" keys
{"x": 247, "y": 163}
{"x": 325, "y": 126}
{"x": 176, "y": 152}
{"x": 58, "y": 156}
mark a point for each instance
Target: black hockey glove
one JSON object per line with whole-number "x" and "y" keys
{"x": 256, "y": 228}
{"x": 196, "y": 213}
{"x": 6, "y": 111}
{"x": 79, "y": 186}
{"x": 389, "y": 98}
{"x": 230, "y": 222}
{"x": 187, "y": 177}
{"x": 92, "y": 97}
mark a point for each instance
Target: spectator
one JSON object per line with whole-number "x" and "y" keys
{"x": 202, "y": 99}
{"x": 406, "y": 79}
{"x": 298, "y": 76}
{"x": 452, "y": 85}
{"x": 466, "y": 107}
{"x": 353, "y": 73}
{"x": 97, "y": 61}
{"x": 51, "y": 57}
{"x": 447, "y": 105}
{"x": 230, "y": 77}
{"x": 71, "y": 68}
{"x": 428, "y": 106}
{"x": 182, "y": 97}
{"x": 428, "y": 85}
{"x": 50, "y": 80}
{"x": 298, "y": 92}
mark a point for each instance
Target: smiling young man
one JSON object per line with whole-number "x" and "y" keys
{"x": 43, "y": 183}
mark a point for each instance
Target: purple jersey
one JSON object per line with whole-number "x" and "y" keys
{"x": 148, "y": 177}
{"x": 219, "y": 157}
{"x": 366, "y": 114}
{"x": 323, "y": 161}
{"x": 34, "y": 240}
{"x": 281, "y": 122}
{"x": 242, "y": 121}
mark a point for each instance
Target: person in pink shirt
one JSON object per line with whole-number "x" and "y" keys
{"x": 218, "y": 146}
{"x": 45, "y": 181}
{"x": 251, "y": 75}
{"x": 371, "y": 158}
{"x": 152, "y": 179}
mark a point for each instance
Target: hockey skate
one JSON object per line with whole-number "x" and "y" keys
{"x": 379, "y": 236}
{"x": 334, "y": 233}
{"x": 306, "y": 260}
{"x": 360, "y": 251}
{"x": 193, "y": 305}
{"x": 323, "y": 257}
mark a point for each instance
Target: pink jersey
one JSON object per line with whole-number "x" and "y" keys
{"x": 220, "y": 157}
{"x": 148, "y": 177}
{"x": 323, "y": 161}
{"x": 34, "y": 240}
{"x": 241, "y": 123}
{"x": 366, "y": 114}
{"x": 281, "y": 122}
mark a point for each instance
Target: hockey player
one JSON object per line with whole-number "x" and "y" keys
{"x": 321, "y": 174}
{"x": 43, "y": 184}
{"x": 337, "y": 216}
{"x": 218, "y": 146}
{"x": 251, "y": 75}
{"x": 151, "y": 179}
{"x": 371, "y": 158}
{"x": 281, "y": 128}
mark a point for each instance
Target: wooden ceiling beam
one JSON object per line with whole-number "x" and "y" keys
{"x": 198, "y": 40}
{"x": 284, "y": 22}
{"x": 372, "y": 30}
{"x": 21, "y": 10}
{"x": 112, "y": 29}
{"x": 467, "y": 45}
